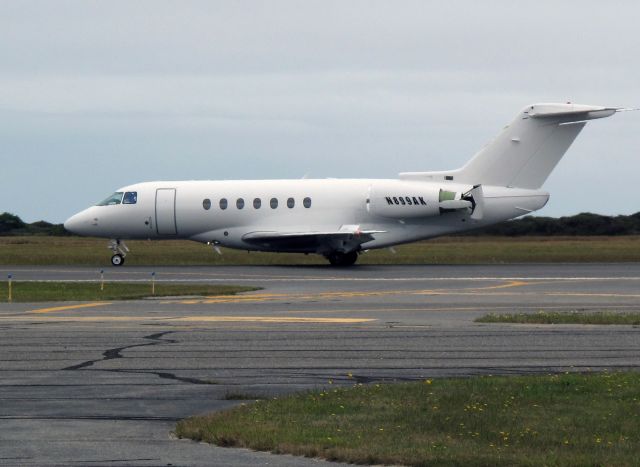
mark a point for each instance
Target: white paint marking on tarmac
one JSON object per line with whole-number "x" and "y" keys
{"x": 352, "y": 279}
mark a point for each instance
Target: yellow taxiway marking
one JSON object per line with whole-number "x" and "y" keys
{"x": 264, "y": 297}
{"x": 504, "y": 286}
{"x": 273, "y": 319}
{"x": 218, "y": 319}
{"x": 69, "y": 307}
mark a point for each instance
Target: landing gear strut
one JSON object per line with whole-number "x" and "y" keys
{"x": 120, "y": 251}
{"x": 342, "y": 259}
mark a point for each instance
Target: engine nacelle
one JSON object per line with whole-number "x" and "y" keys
{"x": 404, "y": 200}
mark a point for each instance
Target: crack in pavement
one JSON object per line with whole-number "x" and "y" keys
{"x": 115, "y": 353}
{"x": 111, "y": 354}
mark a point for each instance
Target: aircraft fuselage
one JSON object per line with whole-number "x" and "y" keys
{"x": 225, "y": 212}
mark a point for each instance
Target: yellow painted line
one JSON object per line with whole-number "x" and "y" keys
{"x": 264, "y": 297}
{"x": 273, "y": 319}
{"x": 220, "y": 319}
{"x": 503, "y": 286}
{"x": 69, "y": 307}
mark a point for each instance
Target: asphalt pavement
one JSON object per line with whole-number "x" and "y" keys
{"x": 103, "y": 383}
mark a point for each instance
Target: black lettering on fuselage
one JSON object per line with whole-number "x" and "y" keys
{"x": 405, "y": 200}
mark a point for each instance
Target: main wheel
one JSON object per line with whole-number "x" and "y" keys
{"x": 343, "y": 259}
{"x": 117, "y": 259}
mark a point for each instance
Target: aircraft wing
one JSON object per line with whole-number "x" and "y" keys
{"x": 349, "y": 236}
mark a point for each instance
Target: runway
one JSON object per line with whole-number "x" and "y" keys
{"x": 103, "y": 383}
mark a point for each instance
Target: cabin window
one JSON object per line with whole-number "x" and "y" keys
{"x": 206, "y": 204}
{"x": 115, "y": 198}
{"x": 273, "y": 203}
{"x": 223, "y": 203}
{"x": 291, "y": 203}
{"x": 257, "y": 202}
{"x": 130, "y": 197}
{"x": 306, "y": 202}
{"x": 240, "y": 203}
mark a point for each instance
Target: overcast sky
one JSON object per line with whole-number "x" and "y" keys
{"x": 97, "y": 95}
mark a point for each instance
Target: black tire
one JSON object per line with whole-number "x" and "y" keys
{"x": 343, "y": 259}
{"x": 117, "y": 260}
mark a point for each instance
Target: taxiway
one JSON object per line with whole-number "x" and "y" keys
{"x": 104, "y": 383}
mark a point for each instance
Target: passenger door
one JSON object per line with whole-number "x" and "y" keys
{"x": 166, "y": 211}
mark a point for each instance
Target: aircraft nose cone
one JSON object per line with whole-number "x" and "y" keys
{"x": 77, "y": 224}
{"x": 71, "y": 224}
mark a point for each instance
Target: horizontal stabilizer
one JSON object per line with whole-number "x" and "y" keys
{"x": 574, "y": 112}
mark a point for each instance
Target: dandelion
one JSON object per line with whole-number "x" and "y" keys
{"x": 427, "y": 381}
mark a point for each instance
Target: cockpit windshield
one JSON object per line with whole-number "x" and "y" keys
{"x": 130, "y": 197}
{"x": 115, "y": 198}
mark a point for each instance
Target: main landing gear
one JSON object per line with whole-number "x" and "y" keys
{"x": 342, "y": 259}
{"x": 120, "y": 251}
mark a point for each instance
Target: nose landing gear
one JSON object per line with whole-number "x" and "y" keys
{"x": 120, "y": 251}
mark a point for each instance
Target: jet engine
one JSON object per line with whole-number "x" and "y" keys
{"x": 405, "y": 201}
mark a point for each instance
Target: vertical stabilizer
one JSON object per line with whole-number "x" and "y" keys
{"x": 527, "y": 150}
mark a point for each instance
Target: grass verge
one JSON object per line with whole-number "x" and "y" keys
{"x": 90, "y": 291}
{"x": 558, "y": 317}
{"x": 36, "y": 250}
{"x": 569, "y": 419}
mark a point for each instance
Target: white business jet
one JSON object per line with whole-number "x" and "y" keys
{"x": 340, "y": 218}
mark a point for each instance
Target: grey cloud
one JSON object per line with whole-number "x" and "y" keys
{"x": 100, "y": 94}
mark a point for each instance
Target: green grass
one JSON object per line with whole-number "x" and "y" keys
{"x": 90, "y": 291}
{"x": 569, "y": 419}
{"x": 559, "y": 317}
{"x": 446, "y": 250}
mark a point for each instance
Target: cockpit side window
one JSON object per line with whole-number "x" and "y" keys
{"x": 115, "y": 198}
{"x": 130, "y": 197}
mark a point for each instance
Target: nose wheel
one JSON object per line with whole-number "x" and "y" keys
{"x": 117, "y": 260}
{"x": 120, "y": 251}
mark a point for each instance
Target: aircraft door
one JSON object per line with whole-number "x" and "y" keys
{"x": 166, "y": 211}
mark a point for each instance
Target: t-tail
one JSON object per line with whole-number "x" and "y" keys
{"x": 527, "y": 150}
